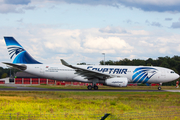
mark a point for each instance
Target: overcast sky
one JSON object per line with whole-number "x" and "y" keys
{"x": 81, "y": 30}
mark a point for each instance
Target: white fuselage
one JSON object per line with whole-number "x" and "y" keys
{"x": 134, "y": 74}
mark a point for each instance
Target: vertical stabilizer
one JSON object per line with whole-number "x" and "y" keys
{"x": 17, "y": 53}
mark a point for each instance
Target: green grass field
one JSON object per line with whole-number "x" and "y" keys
{"x": 107, "y": 87}
{"x": 2, "y": 86}
{"x": 89, "y": 105}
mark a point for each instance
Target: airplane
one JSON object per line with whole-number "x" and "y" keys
{"x": 116, "y": 76}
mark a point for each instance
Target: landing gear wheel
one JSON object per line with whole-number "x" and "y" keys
{"x": 159, "y": 88}
{"x": 89, "y": 87}
{"x": 95, "y": 87}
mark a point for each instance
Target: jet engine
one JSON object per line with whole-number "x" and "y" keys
{"x": 117, "y": 82}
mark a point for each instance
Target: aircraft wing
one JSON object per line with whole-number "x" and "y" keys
{"x": 88, "y": 74}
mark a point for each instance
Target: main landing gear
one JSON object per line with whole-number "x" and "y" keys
{"x": 159, "y": 88}
{"x": 94, "y": 81}
{"x": 90, "y": 87}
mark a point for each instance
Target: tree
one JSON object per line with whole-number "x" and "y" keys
{"x": 110, "y": 62}
{"x": 4, "y": 75}
{"x": 138, "y": 62}
{"x": 149, "y": 62}
{"x": 165, "y": 64}
{"x": 126, "y": 62}
{"x": 101, "y": 62}
{"x": 83, "y": 63}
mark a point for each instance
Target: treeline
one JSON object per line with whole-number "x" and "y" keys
{"x": 167, "y": 62}
{"x": 5, "y": 72}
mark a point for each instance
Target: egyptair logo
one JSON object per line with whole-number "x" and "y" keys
{"x": 143, "y": 74}
{"x": 14, "y": 51}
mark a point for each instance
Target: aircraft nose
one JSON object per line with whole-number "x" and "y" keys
{"x": 177, "y": 76}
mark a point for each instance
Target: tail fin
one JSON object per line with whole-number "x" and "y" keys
{"x": 18, "y": 53}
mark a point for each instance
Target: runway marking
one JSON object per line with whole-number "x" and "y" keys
{"x": 172, "y": 90}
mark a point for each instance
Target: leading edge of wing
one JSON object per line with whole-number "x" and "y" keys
{"x": 84, "y": 71}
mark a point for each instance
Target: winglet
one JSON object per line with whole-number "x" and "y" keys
{"x": 64, "y": 62}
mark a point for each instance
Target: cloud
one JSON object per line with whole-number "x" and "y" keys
{"x": 128, "y": 21}
{"x": 17, "y": 2}
{"x": 157, "y": 24}
{"x": 175, "y": 25}
{"x": 147, "y": 22}
{"x": 48, "y": 45}
{"x": 146, "y": 5}
{"x": 5, "y": 8}
{"x": 20, "y": 20}
{"x": 109, "y": 29}
{"x": 168, "y": 19}
{"x": 145, "y": 43}
{"x": 138, "y": 32}
{"x": 109, "y": 44}
{"x": 15, "y": 6}
{"x": 163, "y": 50}
{"x": 29, "y": 7}
{"x": 153, "y": 5}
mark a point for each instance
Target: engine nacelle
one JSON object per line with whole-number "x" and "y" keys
{"x": 117, "y": 82}
{"x": 80, "y": 79}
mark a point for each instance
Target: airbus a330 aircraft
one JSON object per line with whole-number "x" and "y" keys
{"x": 117, "y": 76}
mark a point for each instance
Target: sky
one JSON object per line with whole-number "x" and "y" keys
{"x": 81, "y": 30}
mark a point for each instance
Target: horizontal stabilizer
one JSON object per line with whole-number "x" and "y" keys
{"x": 16, "y": 66}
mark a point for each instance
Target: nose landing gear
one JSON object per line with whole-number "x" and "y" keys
{"x": 159, "y": 88}
{"x": 160, "y": 84}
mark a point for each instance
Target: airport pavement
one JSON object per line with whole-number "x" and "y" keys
{"x": 82, "y": 90}
{"x": 172, "y": 90}
{"x": 21, "y": 87}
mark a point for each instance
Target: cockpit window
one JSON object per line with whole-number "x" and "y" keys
{"x": 172, "y": 72}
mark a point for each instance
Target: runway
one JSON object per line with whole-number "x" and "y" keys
{"x": 82, "y": 90}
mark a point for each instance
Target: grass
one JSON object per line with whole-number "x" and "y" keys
{"x": 107, "y": 87}
{"x": 2, "y": 86}
{"x": 89, "y": 105}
